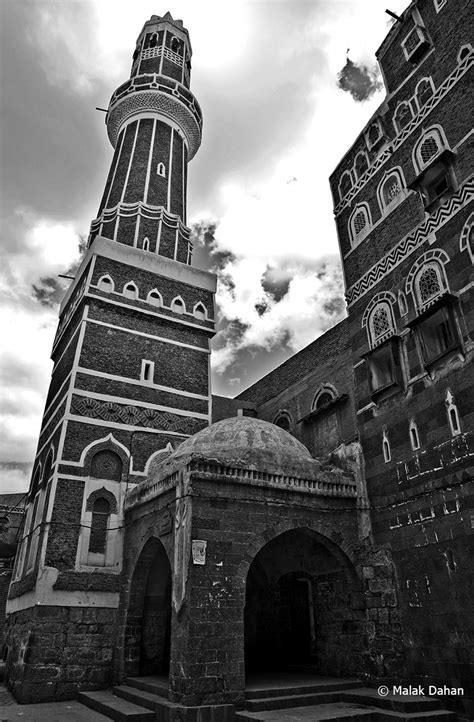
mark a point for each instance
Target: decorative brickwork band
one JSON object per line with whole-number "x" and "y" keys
{"x": 136, "y": 416}
{"x": 411, "y": 242}
{"x": 144, "y": 210}
{"x": 163, "y": 100}
{"x": 438, "y": 95}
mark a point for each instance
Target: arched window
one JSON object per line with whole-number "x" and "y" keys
{"x": 453, "y": 415}
{"x": 130, "y": 290}
{"x": 99, "y": 526}
{"x": 361, "y": 165}
{"x": 283, "y": 420}
{"x": 48, "y": 467}
{"x": 161, "y": 170}
{"x": 381, "y": 323}
{"x": 177, "y": 305}
{"x": 154, "y": 297}
{"x": 386, "y": 447}
{"x": 105, "y": 284}
{"x": 176, "y": 45}
{"x": 424, "y": 91}
{"x": 200, "y": 312}
{"x": 345, "y": 184}
{"x": 464, "y": 52}
{"x": 414, "y": 435}
{"x": 428, "y": 147}
{"x": 359, "y": 224}
{"x": 402, "y": 117}
{"x": 374, "y": 134}
{"x": 390, "y": 190}
{"x": 429, "y": 283}
{"x": 153, "y": 41}
{"x": 323, "y": 398}
{"x": 106, "y": 464}
{"x": 146, "y": 244}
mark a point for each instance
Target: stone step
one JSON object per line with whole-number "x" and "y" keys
{"x": 398, "y": 703}
{"x": 285, "y": 689}
{"x": 153, "y": 685}
{"x": 294, "y": 700}
{"x": 138, "y": 696}
{"x": 115, "y": 708}
{"x": 346, "y": 712}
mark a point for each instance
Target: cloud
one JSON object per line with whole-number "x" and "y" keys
{"x": 358, "y": 80}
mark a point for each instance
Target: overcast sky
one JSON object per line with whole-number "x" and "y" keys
{"x": 278, "y": 116}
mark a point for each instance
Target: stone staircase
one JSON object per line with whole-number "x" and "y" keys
{"x": 296, "y": 697}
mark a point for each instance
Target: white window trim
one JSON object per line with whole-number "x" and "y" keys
{"x": 126, "y": 285}
{"x": 160, "y": 300}
{"x": 387, "y": 455}
{"x": 452, "y": 411}
{"x": 358, "y": 238}
{"x": 106, "y": 277}
{"x": 147, "y": 372}
{"x": 414, "y": 435}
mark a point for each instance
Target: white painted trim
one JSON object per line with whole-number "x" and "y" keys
{"x": 46, "y": 411}
{"x": 136, "y": 402}
{"x": 170, "y": 171}
{"x": 120, "y": 294}
{"x": 156, "y": 315}
{"x": 136, "y": 382}
{"x": 136, "y": 258}
{"x": 148, "y": 335}
{"x": 150, "y": 158}
{"x": 115, "y": 173}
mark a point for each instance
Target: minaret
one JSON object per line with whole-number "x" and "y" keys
{"x": 130, "y": 379}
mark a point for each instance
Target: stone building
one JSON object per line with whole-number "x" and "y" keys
{"x": 322, "y": 521}
{"x": 12, "y": 509}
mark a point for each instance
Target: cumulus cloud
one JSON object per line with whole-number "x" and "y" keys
{"x": 358, "y": 80}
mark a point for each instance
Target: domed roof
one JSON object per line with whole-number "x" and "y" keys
{"x": 242, "y": 439}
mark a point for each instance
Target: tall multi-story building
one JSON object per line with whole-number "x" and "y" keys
{"x": 325, "y": 518}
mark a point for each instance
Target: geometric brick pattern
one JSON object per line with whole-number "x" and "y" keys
{"x": 411, "y": 241}
{"x": 136, "y": 416}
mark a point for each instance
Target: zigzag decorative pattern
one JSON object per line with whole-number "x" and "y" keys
{"x": 444, "y": 88}
{"x": 412, "y": 241}
{"x": 136, "y": 416}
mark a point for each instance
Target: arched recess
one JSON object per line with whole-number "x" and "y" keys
{"x": 390, "y": 189}
{"x": 106, "y": 443}
{"x": 105, "y": 283}
{"x": 428, "y": 147}
{"x": 360, "y": 223}
{"x": 283, "y": 420}
{"x": 434, "y": 259}
{"x": 148, "y": 620}
{"x": 325, "y": 394}
{"x": 301, "y": 606}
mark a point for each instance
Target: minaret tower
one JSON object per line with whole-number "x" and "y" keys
{"x": 130, "y": 379}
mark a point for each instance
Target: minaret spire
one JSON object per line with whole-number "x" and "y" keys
{"x": 154, "y": 124}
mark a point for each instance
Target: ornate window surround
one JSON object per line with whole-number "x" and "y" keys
{"x": 437, "y": 258}
{"x": 387, "y": 299}
{"x": 356, "y": 238}
{"x": 386, "y": 208}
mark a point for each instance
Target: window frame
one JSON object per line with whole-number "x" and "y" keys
{"x": 391, "y": 346}
{"x": 444, "y": 304}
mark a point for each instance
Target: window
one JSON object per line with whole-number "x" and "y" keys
{"x": 283, "y": 420}
{"x": 99, "y": 526}
{"x": 359, "y": 224}
{"x": 386, "y": 447}
{"x": 384, "y": 367}
{"x": 153, "y": 41}
{"x": 160, "y": 169}
{"x": 436, "y": 185}
{"x": 106, "y": 464}
{"x": 175, "y": 45}
{"x": 403, "y": 115}
{"x": 390, "y": 190}
{"x": 345, "y": 184}
{"x": 464, "y": 52}
{"x": 428, "y": 147}
{"x": 415, "y": 44}
{"x": 200, "y": 312}
{"x": 424, "y": 91}
{"x": 436, "y": 333}
{"x": 148, "y": 369}
{"x": 146, "y": 244}
{"x": 323, "y": 400}
{"x": 361, "y": 165}
{"x": 429, "y": 283}
{"x": 414, "y": 435}
{"x": 453, "y": 416}
{"x": 154, "y": 297}
{"x": 374, "y": 134}
{"x": 177, "y": 305}
{"x": 105, "y": 284}
{"x": 381, "y": 324}
{"x": 130, "y": 291}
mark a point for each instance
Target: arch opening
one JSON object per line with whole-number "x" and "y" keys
{"x": 148, "y": 626}
{"x": 301, "y": 608}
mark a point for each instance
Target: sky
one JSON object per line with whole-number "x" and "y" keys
{"x": 285, "y": 88}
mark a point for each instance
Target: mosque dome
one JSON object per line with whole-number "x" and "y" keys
{"x": 245, "y": 440}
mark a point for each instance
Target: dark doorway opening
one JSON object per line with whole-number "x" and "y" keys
{"x": 300, "y": 608}
{"x": 148, "y": 629}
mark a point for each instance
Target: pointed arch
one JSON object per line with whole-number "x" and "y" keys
{"x": 325, "y": 394}
{"x": 345, "y": 184}
{"x": 164, "y": 452}
{"x": 161, "y": 170}
{"x": 106, "y": 284}
{"x": 155, "y": 298}
{"x": 130, "y": 290}
{"x": 178, "y": 305}
{"x": 361, "y": 164}
{"x": 146, "y": 244}
{"x": 48, "y": 465}
{"x": 106, "y": 442}
{"x": 390, "y": 189}
{"x": 200, "y": 311}
{"x": 423, "y": 91}
{"x": 402, "y": 116}
{"x": 466, "y": 242}
{"x": 99, "y": 494}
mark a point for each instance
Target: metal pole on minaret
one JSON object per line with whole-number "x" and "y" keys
{"x": 130, "y": 358}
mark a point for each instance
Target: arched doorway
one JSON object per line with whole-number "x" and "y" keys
{"x": 148, "y": 628}
{"x": 302, "y": 607}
